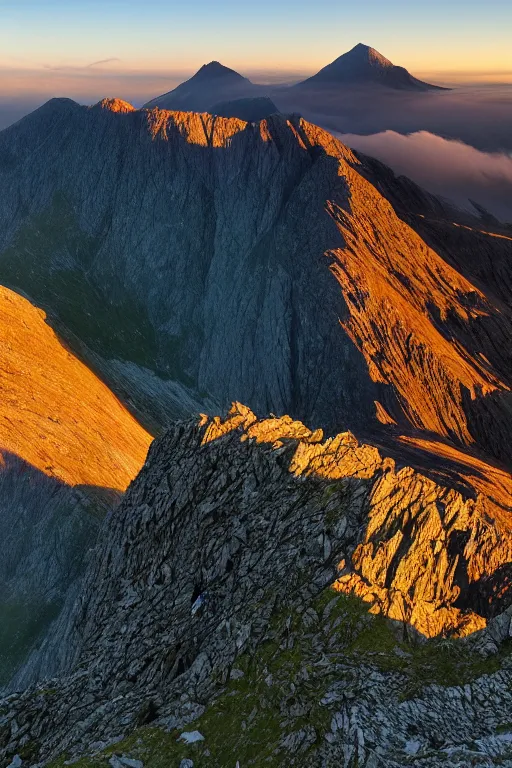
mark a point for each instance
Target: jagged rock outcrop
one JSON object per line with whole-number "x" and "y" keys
{"x": 219, "y": 260}
{"x": 225, "y": 561}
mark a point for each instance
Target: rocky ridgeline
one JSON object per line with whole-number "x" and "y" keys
{"x": 195, "y": 260}
{"x": 213, "y": 624}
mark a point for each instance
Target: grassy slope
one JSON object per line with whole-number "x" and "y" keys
{"x": 247, "y": 720}
{"x": 48, "y": 260}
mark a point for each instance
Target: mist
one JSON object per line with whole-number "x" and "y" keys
{"x": 480, "y": 116}
{"x": 23, "y": 90}
{"x": 445, "y": 167}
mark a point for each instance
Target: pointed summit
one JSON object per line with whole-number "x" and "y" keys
{"x": 215, "y": 70}
{"x": 363, "y": 65}
{"x": 212, "y": 83}
{"x": 365, "y": 53}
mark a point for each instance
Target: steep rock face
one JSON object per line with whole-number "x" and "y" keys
{"x": 46, "y": 530}
{"x": 219, "y": 517}
{"x": 56, "y": 415}
{"x": 249, "y": 262}
{"x": 68, "y": 449}
{"x": 248, "y": 523}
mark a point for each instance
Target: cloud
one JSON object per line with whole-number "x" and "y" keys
{"x": 102, "y": 62}
{"x": 445, "y": 167}
{"x": 70, "y": 68}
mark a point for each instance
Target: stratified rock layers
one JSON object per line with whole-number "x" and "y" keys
{"x": 68, "y": 449}
{"x": 252, "y": 262}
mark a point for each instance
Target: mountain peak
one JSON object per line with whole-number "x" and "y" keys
{"x": 363, "y": 65}
{"x": 215, "y": 69}
{"x": 114, "y": 105}
{"x": 370, "y": 55}
{"x": 212, "y": 83}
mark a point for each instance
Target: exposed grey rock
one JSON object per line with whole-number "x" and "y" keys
{"x": 229, "y": 518}
{"x": 217, "y": 261}
{"x": 191, "y": 737}
{"x": 195, "y": 523}
{"x": 213, "y": 284}
{"x": 125, "y": 762}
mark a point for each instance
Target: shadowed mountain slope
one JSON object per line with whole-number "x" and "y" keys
{"x": 363, "y": 65}
{"x": 68, "y": 449}
{"x": 250, "y": 110}
{"x": 193, "y": 260}
{"x": 252, "y": 262}
{"x": 212, "y": 83}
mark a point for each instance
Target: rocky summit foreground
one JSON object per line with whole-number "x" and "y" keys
{"x": 214, "y": 624}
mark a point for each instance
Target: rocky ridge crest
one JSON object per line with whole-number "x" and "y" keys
{"x": 227, "y": 560}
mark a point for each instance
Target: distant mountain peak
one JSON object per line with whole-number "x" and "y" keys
{"x": 363, "y": 65}
{"x": 212, "y": 83}
{"x": 215, "y": 69}
{"x": 369, "y": 54}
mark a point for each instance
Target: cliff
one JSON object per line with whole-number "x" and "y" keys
{"x": 214, "y": 603}
{"x": 217, "y": 260}
{"x": 186, "y": 261}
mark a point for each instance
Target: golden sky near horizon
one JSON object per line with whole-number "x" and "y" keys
{"x": 83, "y": 40}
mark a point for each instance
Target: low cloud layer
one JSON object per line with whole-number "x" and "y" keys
{"x": 445, "y": 167}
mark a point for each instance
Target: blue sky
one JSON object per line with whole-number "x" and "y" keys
{"x": 281, "y": 34}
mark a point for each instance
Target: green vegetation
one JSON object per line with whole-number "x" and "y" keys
{"x": 49, "y": 259}
{"x": 278, "y": 691}
{"x": 21, "y": 623}
{"x": 438, "y": 661}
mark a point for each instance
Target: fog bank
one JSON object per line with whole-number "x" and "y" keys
{"x": 445, "y": 167}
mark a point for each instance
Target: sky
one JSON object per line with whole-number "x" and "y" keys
{"x": 438, "y": 35}
{"x": 137, "y": 49}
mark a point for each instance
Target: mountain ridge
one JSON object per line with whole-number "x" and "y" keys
{"x": 253, "y": 525}
{"x": 193, "y": 276}
{"x": 303, "y": 155}
{"x": 220, "y": 260}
